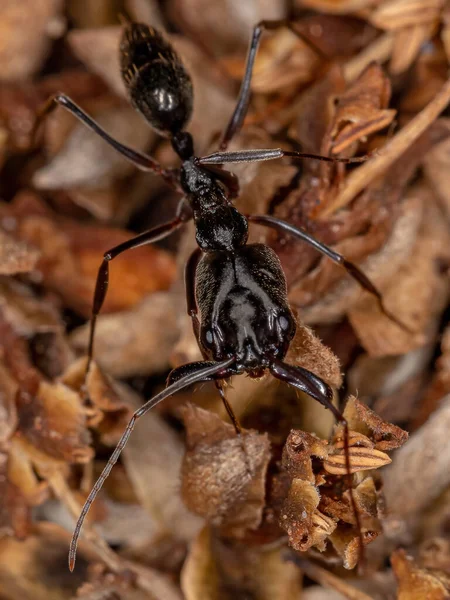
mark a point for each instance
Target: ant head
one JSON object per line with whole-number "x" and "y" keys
{"x": 158, "y": 85}
{"x": 244, "y": 309}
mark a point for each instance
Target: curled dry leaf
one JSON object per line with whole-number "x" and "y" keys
{"x": 26, "y": 32}
{"x": 317, "y": 508}
{"x": 109, "y": 411}
{"x": 361, "y": 419}
{"x": 362, "y": 109}
{"x": 305, "y": 525}
{"x": 223, "y": 475}
{"x": 415, "y": 583}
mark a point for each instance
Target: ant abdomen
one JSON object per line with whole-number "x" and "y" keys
{"x": 157, "y": 82}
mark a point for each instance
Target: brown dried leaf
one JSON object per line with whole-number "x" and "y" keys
{"x": 27, "y": 567}
{"x": 308, "y": 352}
{"x": 416, "y": 296}
{"x": 408, "y": 42}
{"x": 405, "y": 13}
{"x": 360, "y": 418}
{"x": 361, "y": 459}
{"x": 437, "y": 172}
{"x": 347, "y": 545}
{"x": 217, "y": 570}
{"x": 15, "y": 256}
{"x": 415, "y": 583}
{"x": 26, "y": 30}
{"x": 27, "y": 314}
{"x": 417, "y": 477}
{"x": 361, "y": 109}
{"x": 54, "y": 421}
{"x": 68, "y": 246}
{"x": 304, "y": 524}
{"x": 98, "y": 49}
{"x": 84, "y": 159}
{"x": 135, "y": 342}
{"x": 109, "y": 412}
{"x": 221, "y": 27}
{"x": 223, "y": 475}
{"x": 300, "y": 446}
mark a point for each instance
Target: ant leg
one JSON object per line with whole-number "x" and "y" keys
{"x": 202, "y": 372}
{"x": 264, "y": 154}
{"x": 229, "y": 409}
{"x": 191, "y": 303}
{"x": 243, "y": 101}
{"x": 351, "y": 268}
{"x": 189, "y": 274}
{"x": 140, "y": 160}
{"x": 101, "y": 286}
{"x": 315, "y": 387}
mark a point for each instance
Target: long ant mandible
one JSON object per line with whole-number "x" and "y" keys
{"x": 236, "y": 292}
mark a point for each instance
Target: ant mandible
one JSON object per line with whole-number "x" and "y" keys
{"x": 239, "y": 289}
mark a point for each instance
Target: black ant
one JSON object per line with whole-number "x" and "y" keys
{"x": 239, "y": 289}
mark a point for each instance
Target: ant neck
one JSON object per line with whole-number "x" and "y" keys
{"x": 183, "y": 144}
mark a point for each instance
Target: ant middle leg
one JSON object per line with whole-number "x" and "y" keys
{"x": 139, "y": 159}
{"x": 101, "y": 287}
{"x": 354, "y": 271}
{"x": 243, "y": 101}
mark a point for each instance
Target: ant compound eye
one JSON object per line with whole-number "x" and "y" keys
{"x": 208, "y": 337}
{"x": 284, "y": 323}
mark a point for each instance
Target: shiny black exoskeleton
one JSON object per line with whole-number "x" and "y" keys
{"x": 236, "y": 292}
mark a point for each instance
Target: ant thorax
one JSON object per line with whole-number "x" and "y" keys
{"x": 219, "y": 225}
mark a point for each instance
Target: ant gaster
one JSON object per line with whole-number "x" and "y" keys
{"x": 236, "y": 292}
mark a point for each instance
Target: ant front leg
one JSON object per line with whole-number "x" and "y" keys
{"x": 354, "y": 271}
{"x": 140, "y": 160}
{"x": 314, "y": 386}
{"x": 101, "y": 286}
{"x": 243, "y": 101}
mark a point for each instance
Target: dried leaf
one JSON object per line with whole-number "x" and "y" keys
{"x": 69, "y": 246}
{"x": 361, "y": 109}
{"x": 25, "y": 32}
{"x": 135, "y": 342}
{"x": 415, "y": 583}
{"x": 215, "y": 570}
{"x": 361, "y": 459}
{"x": 308, "y": 352}
{"x": 304, "y": 524}
{"x": 223, "y": 476}
{"x": 15, "y": 257}
{"x": 405, "y": 13}
{"x": 416, "y": 295}
{"x": 363, "y": 420}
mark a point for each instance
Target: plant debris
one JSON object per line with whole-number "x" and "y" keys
{"x": 194, "y": 510}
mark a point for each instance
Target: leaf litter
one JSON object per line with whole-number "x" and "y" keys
{"x": 193, "y": 510}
